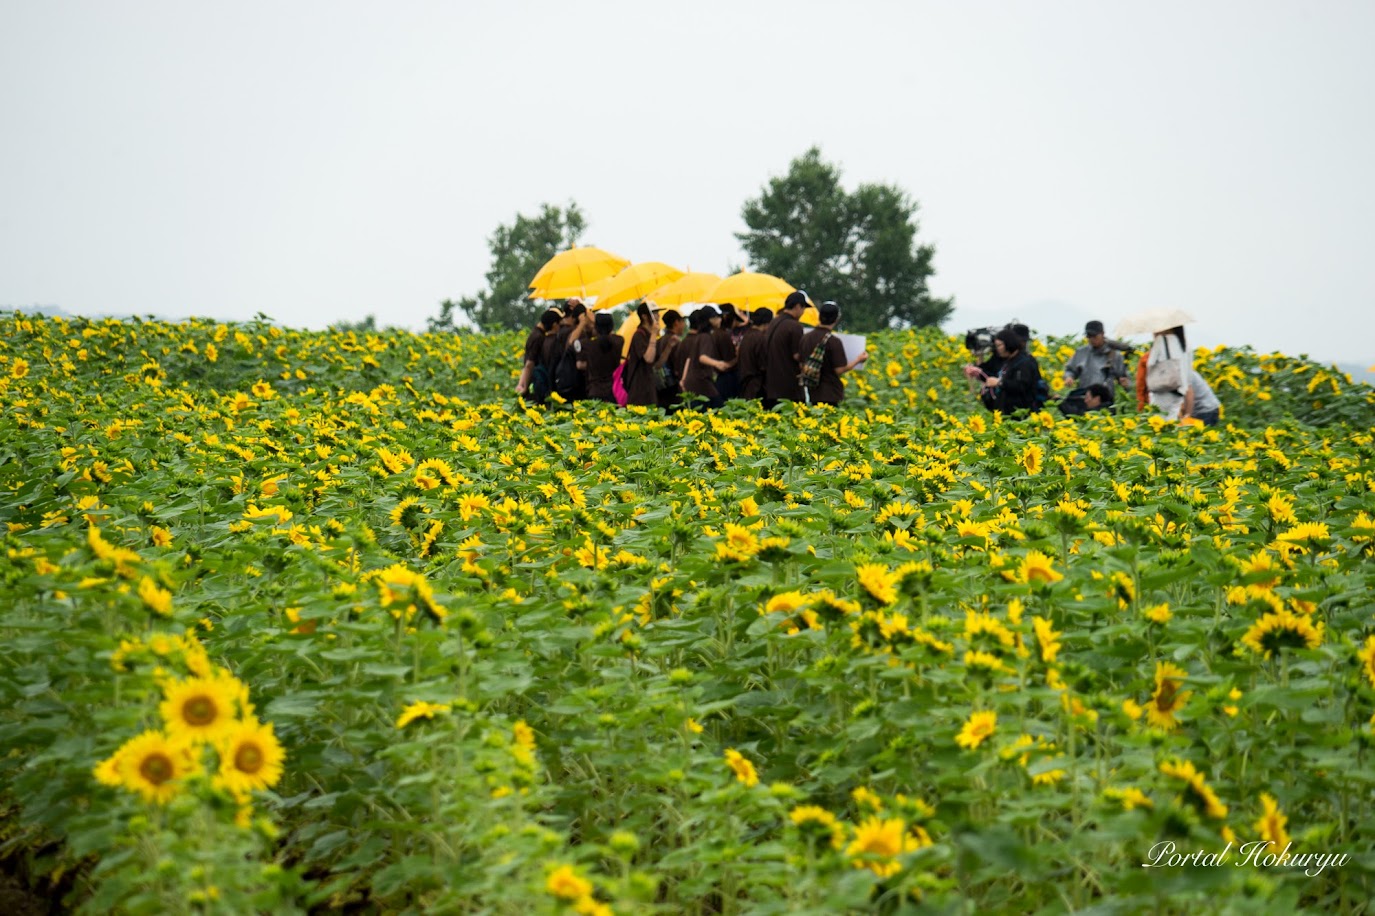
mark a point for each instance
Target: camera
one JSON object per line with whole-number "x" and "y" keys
{"x": 979, "y": 341}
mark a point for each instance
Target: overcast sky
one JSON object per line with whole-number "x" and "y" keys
{"x": 322, "y": 161}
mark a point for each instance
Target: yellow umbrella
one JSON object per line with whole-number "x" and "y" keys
{"x": 691, "y": 287}
{"x": 749, "y": 291}
{"x": 635, "y": 282}
{"x": 810, "y": 316}
{"x": 571, "y": 273}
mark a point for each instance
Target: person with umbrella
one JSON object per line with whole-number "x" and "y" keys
{"x": 1167, "y": 371}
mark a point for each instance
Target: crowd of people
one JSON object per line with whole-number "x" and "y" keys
{"x": 717, "y": 354}
{"x": 711, "y": 356}
{"x": 1010, "y": 378}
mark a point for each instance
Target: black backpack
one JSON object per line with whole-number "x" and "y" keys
{"x": 568, "y": 380}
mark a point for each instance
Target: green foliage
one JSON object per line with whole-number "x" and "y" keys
{"x": 856, "y": 248}
{"x": 634, "y": 595}
{"x": 364, "y": 326}
{"x": 518, "y": 251}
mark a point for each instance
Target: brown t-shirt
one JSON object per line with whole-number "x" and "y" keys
{"x": 725, "y": 346}
{"x": 601, "y": 364}
{"x": 751, "y": 365}
{"x": 699, "y": 378}
{"x": 638, "y": 375}
{"x": 783, "y": 335}
{"x": 829, "y": 388}
{"x": 534, "y": 346}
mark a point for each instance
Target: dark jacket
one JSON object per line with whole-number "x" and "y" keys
{"x": 1020, "y": 377}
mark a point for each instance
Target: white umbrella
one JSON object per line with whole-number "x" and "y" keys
{"x": 1151, "y": 321}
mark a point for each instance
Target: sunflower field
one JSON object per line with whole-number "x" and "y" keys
{"x": 317, "y": 621}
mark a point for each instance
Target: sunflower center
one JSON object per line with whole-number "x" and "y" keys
{"x": 156, "y": 768}
{"x": 248, "y": 758}
{"x": 199, "y": 711}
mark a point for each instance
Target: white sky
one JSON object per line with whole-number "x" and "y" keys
{"x": 321, "y": 161}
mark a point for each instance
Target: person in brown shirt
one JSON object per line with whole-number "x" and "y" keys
{"x": 638, "y": 375}
{"x": 781, "y": 363}
{"x": 668, "y": 367}
{"x": 701, "y": 362}
{"x": 534, "y": 350}
{"x": 723, "y": 334}
{"x": 829, "y": 388}
{"x": 749, "y": 355}
{"x": 599, "y": 358}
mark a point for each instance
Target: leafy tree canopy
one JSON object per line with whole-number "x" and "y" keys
{"x": 857, "y": 248}
{"x": 518, "y": 251}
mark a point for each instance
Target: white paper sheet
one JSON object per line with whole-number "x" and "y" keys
{"x": 854, "y": 345}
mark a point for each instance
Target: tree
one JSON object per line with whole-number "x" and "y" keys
{"x": 518, "y": 251}
{"x": 367, "y": 325}
{"x": 858, "y": 249}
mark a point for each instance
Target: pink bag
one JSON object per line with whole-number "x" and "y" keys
{"x": 618, "y": 386}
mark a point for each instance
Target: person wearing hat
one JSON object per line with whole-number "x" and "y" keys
{"x": 781, "y": 344}
{"x": 829, "y": 388}
{"x": 750, "y": 355}
{"x": 701, "y": 361}
{"x": 725, "y": 335}
{"x": 1097, "y": 361}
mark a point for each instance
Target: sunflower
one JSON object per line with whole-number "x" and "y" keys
{"x": 1281, "y": 509}
{"x": 878, "y": 843}
{"x": 1047, "y": 637}
{"x": 1306, "y": 532}
{"x": 1261, "y": 572}
{"x": 817, "y": 823}
{"x": 156, "y": 598}
{"x": 153, "y": 765}
{"x": 470, "y": 504}
{"x": 1036, "y": 567}
{"x": 742, "y": 767}
{"x": 395, "y": 462}
{"x": 1272, "y": 822}
{"x": 741, "y": 540}
{"x": 250, "y": 758}
{"x": 1031, "y": 458}
{"x": 404, "y": 513}
{"x": 1199, "y": 794}
{"x": 1282, "y": 630}
{"x": 985, "y": 662}
{"x": 567, "y": 884}
{"x": 878, "y": 582}
{"x": 200, "y": 708}
{"x": 420, "y": 710}
{"x": 979, "y": 727}
{"x": 1367, "y": 659}
{"x": 1167, "y": 699}
{"x": 440, "y": 467}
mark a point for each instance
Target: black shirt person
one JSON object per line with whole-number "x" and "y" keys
{"x": 1014, "y": 387}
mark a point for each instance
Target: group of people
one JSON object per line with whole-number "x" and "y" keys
{"x": 715, "y": 354}
{"x": 1010, "y": 379}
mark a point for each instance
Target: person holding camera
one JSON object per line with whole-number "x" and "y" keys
{"x": 1016, "y": 385}
{"x": 1100, "y": 360}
